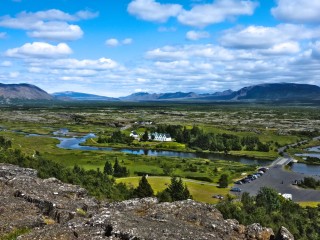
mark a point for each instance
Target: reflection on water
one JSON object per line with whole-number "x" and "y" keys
{"x": 316, "y": 155}
{"x": 74, "y": 143}
{"x": 312, "y": 152}
{"x": 306, "y": 169}
{"x": 314, "y": 149}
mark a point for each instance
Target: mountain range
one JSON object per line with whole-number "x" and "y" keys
{"x": 23, "y": 91}
{"x": 261, "y": 92}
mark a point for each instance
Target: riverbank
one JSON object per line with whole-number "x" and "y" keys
{"x": 178, "y": 147}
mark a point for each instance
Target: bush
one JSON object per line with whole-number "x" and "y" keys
{"x": 204, "y": 179}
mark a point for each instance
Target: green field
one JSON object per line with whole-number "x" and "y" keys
{"x": 309, "y": 204}
{"x": 201, "y": 191}
{"x": 276, "y": 126}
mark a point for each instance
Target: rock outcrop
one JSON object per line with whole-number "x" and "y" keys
{"x": 55, "y": 210}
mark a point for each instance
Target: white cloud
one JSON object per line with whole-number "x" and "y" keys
{"x": 251, "y": 37}
{"x": 283, "y": 48}
{"x": 86, "y": 64}
{"x": 6, "y": 64}
{"x": 166, "y": 53}
{"x": 209, "y": 66}
{"x": 297, "y": 11}
{"x": 173, "y": 64}
{"x": 14, "y": 74}
{"x": 35, "y": 70}
{"x": 73, "y": 79}
{"x": 167, "y": 29}
{"x": 85, "y": 14}
{"x": 56, "y": 15}
{"x": 209, "y": 51}
{"x": 316, "y": 50}
{"x": 150, "y": 10}
{"x": 57, "y": 31}
{"x": 112, "y": 42}
{"x": 40, "y": 50}
{"x": 51, "y": 24}
{"x": 261, "y": 37}
{"x": 127, "y": 41}
{"x": 295, "y": 31}
{"x": 220, "y": 10}
{"x": 196, "y": 35}
{"x": 3, "y": 35}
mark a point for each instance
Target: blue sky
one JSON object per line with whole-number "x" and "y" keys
{"x": 115, "y": 48}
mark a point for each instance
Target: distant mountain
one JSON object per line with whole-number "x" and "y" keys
{"x": 272, "y": 92}
{"x": 82, "y": 96}
{"x": 144, "y": 96}
{"x": 269, "y": 91}
{"x": 279, "y": 91}
{"x": 261, "y": 92}
{"x": 141, "y": 96}
{"x": 23, "y": 91}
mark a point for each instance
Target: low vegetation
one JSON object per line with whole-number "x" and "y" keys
{"x": 270, "y": 209}
{"x": 309, "y": 182}
{"x": 96, "y": 182}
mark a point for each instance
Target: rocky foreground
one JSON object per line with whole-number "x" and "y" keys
{"x": 55, "y": 210}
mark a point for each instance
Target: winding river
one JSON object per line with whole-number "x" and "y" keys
{"x": 74, "y": 143}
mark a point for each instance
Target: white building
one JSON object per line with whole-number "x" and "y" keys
{"x": 162, "y": 137}
{"x": 287, "y": 196}
{"x": 134, "y": 135}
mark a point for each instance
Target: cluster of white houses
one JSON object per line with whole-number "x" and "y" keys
{"x": 161, "y": 137}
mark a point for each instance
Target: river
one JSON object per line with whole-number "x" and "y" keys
{"x": 74, "y": 143}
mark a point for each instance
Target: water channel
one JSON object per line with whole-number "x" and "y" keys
{"x": 74, "y": 143}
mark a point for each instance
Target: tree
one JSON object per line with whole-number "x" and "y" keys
{"x": 144, "y": 189}
{"x": 116, "y": 166}
{"x": 186, "y": 136}
{"x": 248, "y": 202}
{"x": 119, "y": 171}
{"x": 145, "y": 136}
{"x": 164, "y": 196}
{"x": 268, "y": 198}
{"x": 177, "y": 190}
{"x": 108, "y": 169}
{"x": 223, "y": 181}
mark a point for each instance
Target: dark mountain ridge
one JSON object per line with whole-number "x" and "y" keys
{"x": 261, "y": 92}
{"x": 270, "y": 92}
{"x": 277, "y": 91}
{"x": 23, "y": 91}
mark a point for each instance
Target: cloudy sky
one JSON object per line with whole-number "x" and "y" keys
{"x": 117, "y": 47}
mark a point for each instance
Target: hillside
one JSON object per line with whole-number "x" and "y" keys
{"x": 23, "y": 91}
{"x": 49, "y": 209}
{"x": 277, "y": 91}
{"x": 271, "y": 92}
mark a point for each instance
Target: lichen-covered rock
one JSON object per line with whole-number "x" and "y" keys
{"x": 256, "y": 231}
{"x": 54, "y": 210}
{"x": 284, "y": 234}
